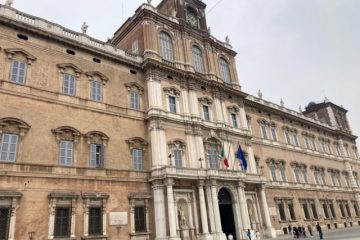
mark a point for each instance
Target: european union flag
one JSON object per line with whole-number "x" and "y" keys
{"x": 241, "y": 157}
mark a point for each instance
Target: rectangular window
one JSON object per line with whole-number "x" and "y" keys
{"x": 273, "y": 133}
{"x": 356, "y": 208}
{"x": 342, "y": 210}
{"x": 234, "y": 120}
{"x": 297, "y": 176}
{"x": 332, "y": 210}
{"x": 326, "y": 212}
{"x": 134, "y": 101}
{"x": 338, "y": 151}
{"x": 296, "y": 140}
{"x": 305, "y": 176}
{"x": 96, "y": 91}
{"x": 66, "y": 152}
{"x": 135, "y": 47}
{"x": 347, "y": 209}
{"x": 137, "y": 156}
{"x": 306, "y": 211}
{"x": 8, "y": 147}
{"x": 346, "y": 151}
{"x": 313, "y": 145}
{"x": 4, "y": 222}
{"x": 282, "y": 211}
{"x": 323, "y": 146}
{"x": 172, "y": 104}
{"x": 18, "y": 69}
{"x": 206, "y": 112}
{"x": 178, "y": 158}
{"x": 283, "y": 173}
{"x": 140, "y": 220}
{"x": 62, "y": 222}
{"x": 291, "y": 211}
{"x": 95, "y": 221}
{"x": 287, "y": 137}
{"x": 264, "y": 133}
{"x": 313, "y": 208}
{"x": 273, "y": 172}
{"x": 69, "y": 84}
{"x": 307, "y": 144}
{"x": 97, "y": 155}
{"x": 213, "y": 158}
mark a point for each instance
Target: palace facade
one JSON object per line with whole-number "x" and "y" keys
{"x": 126, "y": 139}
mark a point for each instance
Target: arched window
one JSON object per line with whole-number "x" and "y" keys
{"x": 166, "y": 46}
{"x": 198, "y": 60}
{"x": 225, "y": 70}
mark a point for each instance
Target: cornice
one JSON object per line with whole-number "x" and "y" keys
{"x": 257, "y": 103}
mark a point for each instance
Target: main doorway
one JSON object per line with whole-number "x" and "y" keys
{"x": 226, "y": 212}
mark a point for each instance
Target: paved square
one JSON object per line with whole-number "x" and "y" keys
{"x": 352, "y": 233}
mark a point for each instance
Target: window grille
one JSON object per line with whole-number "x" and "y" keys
{"x": 5, "y": 213}
{"x": 95, "y": 221}
{"x": 140, "y": 220}
{"x": 62, "y": 222}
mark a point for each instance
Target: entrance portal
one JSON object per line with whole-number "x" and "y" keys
{"x": 226, "y": 213}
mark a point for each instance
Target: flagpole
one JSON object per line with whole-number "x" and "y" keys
{"x": 229, "y": 151}
{"x": 235, "y": 159}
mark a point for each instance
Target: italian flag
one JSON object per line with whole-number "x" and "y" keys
{"x": 223, "y": 157}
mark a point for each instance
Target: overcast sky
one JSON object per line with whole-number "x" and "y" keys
{"x": 298, "y": 50}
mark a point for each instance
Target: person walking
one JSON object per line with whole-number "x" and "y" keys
{"x": 289, "y": 228}
{"x": 318, "y": 228}
{"x": 303, "y": 231}
{"x": 249, "y": 234}
{"x": 300, "y": 231}
{"x": 296, "y": 232}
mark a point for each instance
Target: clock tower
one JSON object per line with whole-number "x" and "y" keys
{"x": 188, "y": 12}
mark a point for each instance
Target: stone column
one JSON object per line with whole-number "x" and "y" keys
{"x": 215, "y": 201}
{"x": 251, "y": 157}
{"x": 218, "y": 110}
{"x": 194, "y": 104}
{"x": 204, "y": 221}
{"x": 210, "y": 208}
{"x": 185, "y": 100}
{"x": 269, "y": 230}
{"x": 52, "y": 218}
{"x": 171, "y": 212}
{"x": 158, "y": 140}
{"x": 14, "y": 206}
{"x": 159, "y": 210}
{"x": 243, "y": 119}
{"x": 243, "y": 206}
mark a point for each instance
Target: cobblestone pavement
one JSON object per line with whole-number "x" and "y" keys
{"x": 352, "y": 233}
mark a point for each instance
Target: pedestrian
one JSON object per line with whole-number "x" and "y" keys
{"x": 303, "y": 231}
{"x": 300, "y": 231}
{"x": 318, "y": 228}
{"x": 296, "y": 232}
{"x": 289, "y": 228}
{"x": 249, "y": 234}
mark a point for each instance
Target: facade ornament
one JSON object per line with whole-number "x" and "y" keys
{"x": 173, "y": 14}
{"x": 227, "y": 40}
{"x": 84, "y": 28}
{"x": 326, "y": 100}
{"x": 209, "y": 30}
{"x": 300, "y": 109}
{"x": 281, "y": 102}
{"x": 260, "y": 95}
{"x": 8, "y": 3}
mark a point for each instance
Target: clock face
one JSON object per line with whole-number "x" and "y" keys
{"x": 192, "y": 19}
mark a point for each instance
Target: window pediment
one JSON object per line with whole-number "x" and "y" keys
{"x": 177, "y": 144}
{"x": 14, "y": 125}
{"x": 92, "y": 76}
{"x": 134, "y": 86}
{"x": 172, "y": 91}
{"x": 137, "y": 142}
{"x": 11, "y": 52}
{"x": 233, "y": 108}
{"x": 64, "y": 66}
{"x": 66, "y": 133}
{"x": 96, "y": 137}
{"x": 205, "y": 100}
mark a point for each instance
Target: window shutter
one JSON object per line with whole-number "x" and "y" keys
{"x": 93, "y": 155}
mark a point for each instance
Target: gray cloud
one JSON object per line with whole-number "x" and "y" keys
{"x": 298, "y": 50}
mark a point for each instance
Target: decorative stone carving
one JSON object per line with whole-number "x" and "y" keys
{"x": 84, "y": 28}
{"x": 96, "y": 137}
{"x": 172, "y": 91}
{"x": 11, "y": 52}
{"x": 92, "y": 75}
{"x": 260, "y": 95}
{"x": 205, "y": 100}
{"x": 64, "y": 66}
{"x": 66, "y": 133}
{"x": 137, "y": 142}
{"x": 281, "y": 102}
{"x": 14, "y": 126}
{"x": 8, "y": 3}
{"x": 227, "y": 40}
{"x": 134, "y": 86}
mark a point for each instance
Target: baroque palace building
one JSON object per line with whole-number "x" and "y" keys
{"x": 121, "y": 140}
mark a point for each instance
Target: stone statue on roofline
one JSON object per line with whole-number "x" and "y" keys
{"x": 260, "y": 95}
{"x": 227, "y": 40}
{"x": 84, "y": 28}
{"x": 9, "y": 3}
{"x": 149, "y": 2}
